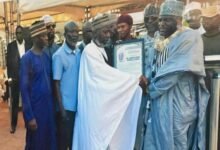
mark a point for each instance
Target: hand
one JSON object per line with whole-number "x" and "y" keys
{"x": 32, "y": 125}
{"x": 143, "y": 81}
{"x": 63, "y": 115}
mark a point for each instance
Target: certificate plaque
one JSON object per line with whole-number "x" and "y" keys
{"x": 129, "y": 56}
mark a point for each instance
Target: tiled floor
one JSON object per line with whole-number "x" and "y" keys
{"x": 10, "y": 141}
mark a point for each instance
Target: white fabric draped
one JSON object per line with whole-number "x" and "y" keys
{"x": 108, "y": 105}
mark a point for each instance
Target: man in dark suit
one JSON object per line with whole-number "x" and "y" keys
{"x": 15, "y": 50}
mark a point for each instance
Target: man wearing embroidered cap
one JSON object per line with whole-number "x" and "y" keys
{"x": 192, "y": 15}
{"x": 36, "y": 92}
{"x": 151, "y": 17}
{"x": 109, "y": 47}
{"x": 50, "y": 24}
{"x": 108, "y": 100}
{"x": 178, "y": 94}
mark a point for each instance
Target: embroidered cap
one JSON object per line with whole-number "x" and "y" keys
{"x": 151, "y": 10}
{"x": 103, "y": 20}
{"x": 172, "y": 7}
{"x": 37, "y": 28}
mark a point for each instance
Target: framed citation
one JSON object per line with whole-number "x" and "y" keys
{"x": 129, "y": 56}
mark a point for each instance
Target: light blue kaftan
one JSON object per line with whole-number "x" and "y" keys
{"x": 149, "y": 52}
{"x": 178, "y": 97}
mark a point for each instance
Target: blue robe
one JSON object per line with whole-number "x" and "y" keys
{"x": 179, "y": 97}
{"x": 37, "y": 101}
{"x": 149, "y": 52}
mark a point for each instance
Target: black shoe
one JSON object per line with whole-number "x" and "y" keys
{"x": 13, "y": 129}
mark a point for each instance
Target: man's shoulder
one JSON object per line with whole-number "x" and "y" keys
{"x": 27, "y": 55}
{"x": 89, "y": 47}
{"x": 12, "y": 43}
{"x": 188, "y": 34}
{"x": 59, "y": 51}
{"x": 55, "y": 46}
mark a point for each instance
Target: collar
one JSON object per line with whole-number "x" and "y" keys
{"x": 21, "y": 43}
{"x": 69, "y": 50}
{"x": 101, "y": 50}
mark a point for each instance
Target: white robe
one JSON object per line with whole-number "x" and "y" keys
{"x": 108, "y": 105}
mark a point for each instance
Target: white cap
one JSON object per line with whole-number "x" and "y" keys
{"x": 47, "y": 19}
{"x": 192, "y": 6}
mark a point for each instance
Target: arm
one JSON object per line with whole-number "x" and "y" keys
{"x": 8, "y": 61}
{"x": 163, "y": 84}
{"x": 57, "y": 75}
{"x": 59, "y": 98}
{"x": 25, "y": 84}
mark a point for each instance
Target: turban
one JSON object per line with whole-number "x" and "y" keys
{"x": 172, "y": 8}
{"x": 125, "y": 19}
{"x": 192, "y": 6}
{"x": 37, "y": 28}
{"x": 48, "y": 20}
{"x": 103, "y": 20}
{"x": 151, "y": 10}
{"x": 210, "y": 11}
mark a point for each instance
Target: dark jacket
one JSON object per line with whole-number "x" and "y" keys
{"x": 13, "y": 59}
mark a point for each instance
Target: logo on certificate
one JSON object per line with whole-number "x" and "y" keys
{"x": 121, "y": 56}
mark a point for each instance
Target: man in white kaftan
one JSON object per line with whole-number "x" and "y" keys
{"x": 108, "y": 100}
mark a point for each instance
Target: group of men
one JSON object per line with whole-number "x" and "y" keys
{"x": 74, "y": 98}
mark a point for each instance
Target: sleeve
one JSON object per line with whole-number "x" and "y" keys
{"x": 25, "y": 84}
{"x": 163, "y": 84}
{"x": 57, "y": 67}
{"x": 8, "y": 61}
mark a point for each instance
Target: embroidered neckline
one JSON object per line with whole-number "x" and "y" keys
{"x": 161, "y": 43}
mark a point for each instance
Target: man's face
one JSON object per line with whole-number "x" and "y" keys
{"x": 71, "y": 34}
{"x": 51, "y": 31}
{"x": 167, "y": 25}
{"x": 123, "y": 30}
{"x": 211, "y": 23}
{"x": 104, "y": 35}
{"x": 87, "y": 35}
{"x": 151, "y": 23}
{"x": 42, "y": 40}
{"x": 193, "y": 19}
{"x": 19, "y": 34}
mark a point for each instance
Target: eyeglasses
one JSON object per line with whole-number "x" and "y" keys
{"x": 51, "y": 26}
{"x": 150, "y": 18}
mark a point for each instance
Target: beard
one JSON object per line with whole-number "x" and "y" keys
{"x": 50, "y": 36}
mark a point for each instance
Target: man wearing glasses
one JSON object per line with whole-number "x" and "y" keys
{"x": 151, "y": 18}
{"x": 52, "y": 47}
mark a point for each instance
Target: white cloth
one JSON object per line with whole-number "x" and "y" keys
{"x": 201, "y": 30}
{"x": 21, "y": 48}
{"x": 108, "y": 105}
